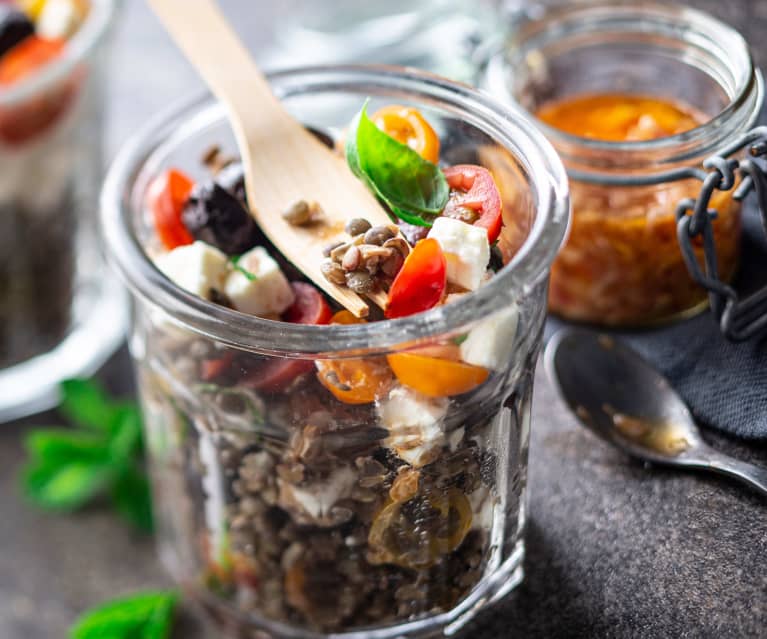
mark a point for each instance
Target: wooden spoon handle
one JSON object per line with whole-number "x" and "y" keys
{"x": 204, "y": 35}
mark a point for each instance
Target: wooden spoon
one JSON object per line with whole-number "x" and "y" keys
{"x": 283, "y": 163}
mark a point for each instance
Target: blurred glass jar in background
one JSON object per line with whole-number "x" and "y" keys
{"x": 437, "y": 35}
{"x": 58, "y": 315}
{"x": 683, "y": 85}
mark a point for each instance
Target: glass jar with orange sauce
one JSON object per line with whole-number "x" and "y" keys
{"x": 628, "y": 95}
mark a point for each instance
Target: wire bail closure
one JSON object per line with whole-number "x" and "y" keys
{"x": 739, "y": 318}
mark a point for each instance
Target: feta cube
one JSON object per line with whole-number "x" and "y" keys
{"x": 266, "y": 292}
{"x": 466, "y": 249}
{"x": 196, "y": 267}
{"x": 490, "y": 342}
{"x": 415, "y": 424}
{"x": 60, "y": 18}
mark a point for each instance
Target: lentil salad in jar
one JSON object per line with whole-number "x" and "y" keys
{"x": 316, "y": 472}
{"x": 629, "y": 96}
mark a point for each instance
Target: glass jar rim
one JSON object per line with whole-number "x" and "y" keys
{"x": 509, "y": 127}
{"x": 100, "y": 17}
{"x": 645, "y": 18}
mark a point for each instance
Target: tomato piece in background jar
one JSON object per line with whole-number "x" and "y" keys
{"x": 474, "y": 198}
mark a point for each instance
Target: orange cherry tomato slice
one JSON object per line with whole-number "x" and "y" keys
{"x": 354, "y": 381}
{"x": 408, "y": 126}
{"x": 421, "y": 281}
{"x": 474, "y": 188}
{"x": 167, "y": 196}
{"x": 436, "y": 377}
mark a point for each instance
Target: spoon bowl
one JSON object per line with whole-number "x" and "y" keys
{"x": 620, "y": 397}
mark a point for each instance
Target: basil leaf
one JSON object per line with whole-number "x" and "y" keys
{"x": 62, "y": 446}
{"x": 67, "y": 487}
{"x": 132, "y": 499}
{"x": 144, "y": 616}
{"x": 235, "y": 262}
{"x": 85, "y": 403}
{"x": 127, "y": 442}
{"x": 395, "y": 173}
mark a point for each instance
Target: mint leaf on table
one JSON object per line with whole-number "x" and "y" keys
{"x": 102, "y": 457}
{"x": 147, "y": 615}
{"x": 65, "y": 487}
{"x": 415, "y": 189}
{"x": 132, "y": 499}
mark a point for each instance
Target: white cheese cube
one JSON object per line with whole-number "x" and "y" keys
{"x": 196, "y": 267}
{"x": 318, "y": 498}
{"x": 490, "y": 342}
{"x": 267, "y": 290}
{"x": 466, "y": 249}
{"x": 60, "y": 18}
{"x": 415, "y": 424}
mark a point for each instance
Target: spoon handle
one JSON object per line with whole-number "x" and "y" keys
{"x": 754, "y": 476}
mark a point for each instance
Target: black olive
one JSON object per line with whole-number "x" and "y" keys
{"x": 215, "y": 216}
{"x": 15, "y": 26}
{"x": 496, "y": 259}
{"x": 232, "y": 178}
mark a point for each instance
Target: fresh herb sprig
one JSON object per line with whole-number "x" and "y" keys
{"x": 147, "y": 615}
{"x": 414, "y": 189}
{"x": 102, "y": 456}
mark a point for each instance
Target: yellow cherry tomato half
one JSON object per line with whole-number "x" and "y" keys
{"x": 408, "y": 126}
{"x": 354, "y": 381}
{"x": 395, "y": 538}
{"x": 436, "y": 377}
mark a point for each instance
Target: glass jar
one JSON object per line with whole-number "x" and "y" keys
{"x": 59, "y": 315}
{"x": 282, "y": 508}
{"x": 622, "y": 264}
{"x": 399, "y": 32}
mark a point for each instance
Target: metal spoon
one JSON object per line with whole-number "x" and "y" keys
{"x": 620, "y": 397}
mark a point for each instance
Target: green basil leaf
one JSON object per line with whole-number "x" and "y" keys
{"x": 145, "y": 616}
{"x": 127, "y": 440}
{"x": 85, "y": 403}
{"x": 415, "y": 220}
{"x": 132, "y": 499}
{"x": 394, "y": 172}
{"x": 65, "y": 487}
{"x": 62, "y": 446}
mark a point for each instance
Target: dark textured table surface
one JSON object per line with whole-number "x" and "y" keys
{"x": 614, "y": 550}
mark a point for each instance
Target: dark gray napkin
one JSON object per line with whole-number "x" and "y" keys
{"x": 724, "y": 384}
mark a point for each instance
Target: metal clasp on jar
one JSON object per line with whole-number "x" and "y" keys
{"x": 740, "y": 318}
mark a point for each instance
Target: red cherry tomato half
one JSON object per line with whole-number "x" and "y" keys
{"x": 211, "y": 369}
{"x": 310, "y": 306}
{"x": 275, "y": 374}
{"x": 22, "y": 121}
{"x": 474, "y": 188}
{"x": 167, "y": 196}
{"x": 421, "y": 281}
